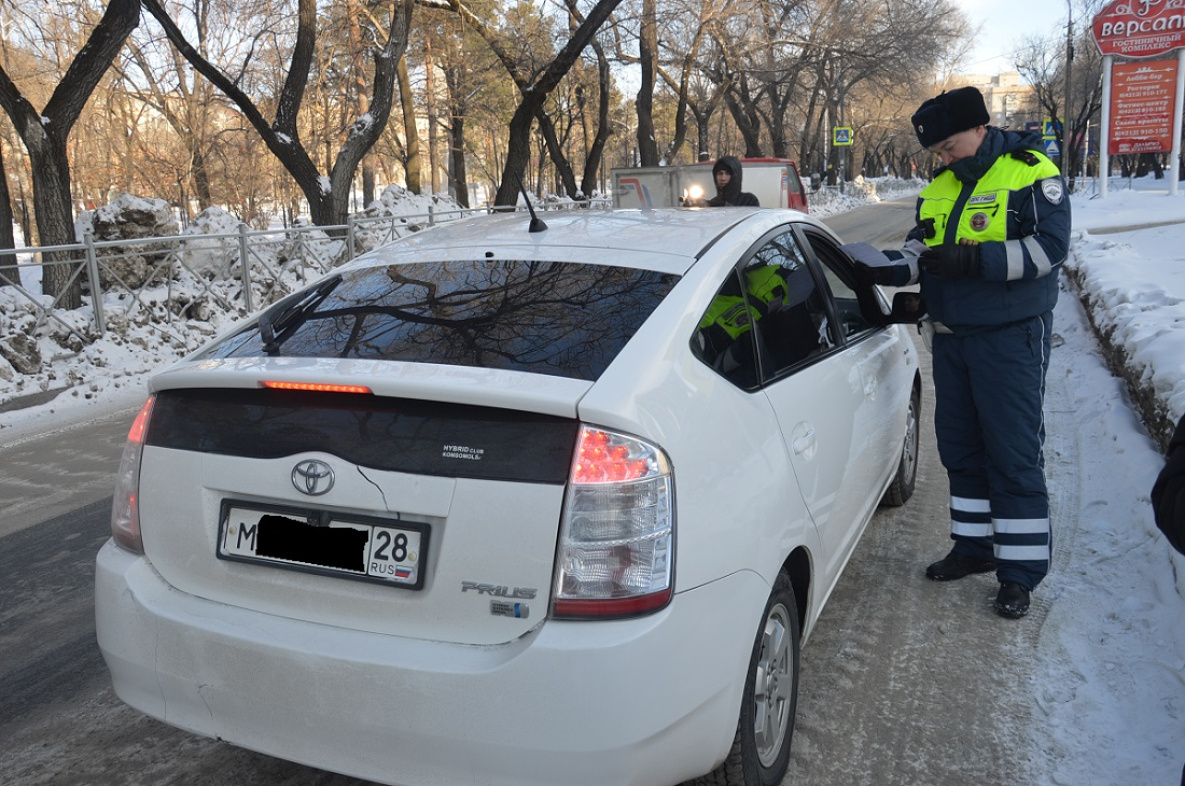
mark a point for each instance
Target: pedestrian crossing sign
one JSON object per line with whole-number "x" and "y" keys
{"x": 841, "y": 135}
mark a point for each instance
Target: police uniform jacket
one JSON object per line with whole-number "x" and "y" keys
{"x": 1011, "y": 200}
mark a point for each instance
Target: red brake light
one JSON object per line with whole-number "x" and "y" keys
{"x": 598, "y": 461}
{"x": 140, "y": 424}
{"x": 314, "y": 387}
{"x": 125, "y": 505}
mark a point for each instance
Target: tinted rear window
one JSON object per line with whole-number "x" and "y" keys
{"x": 400, "y": 435}
{"x": 556, "y": 318}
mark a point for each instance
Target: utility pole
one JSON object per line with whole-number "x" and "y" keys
{"x": 1067, "y": 125}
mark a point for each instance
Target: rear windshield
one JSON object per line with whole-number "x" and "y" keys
{"x": 557, "y": 318}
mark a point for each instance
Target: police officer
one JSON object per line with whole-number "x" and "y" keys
{"x": 993, "y": 228}
{"x": 727, "y": 174}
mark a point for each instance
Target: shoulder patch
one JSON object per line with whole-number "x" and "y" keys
{"x": 1052, "y": 188}
{"x": 1026, "y": 156}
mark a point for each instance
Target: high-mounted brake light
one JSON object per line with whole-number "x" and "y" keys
{"x": 314, "y": 387}
{"x": 125, "y": 504}
{"x": 616, "y": 549}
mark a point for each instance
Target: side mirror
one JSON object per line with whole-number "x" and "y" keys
{"x": 908, "y": 308}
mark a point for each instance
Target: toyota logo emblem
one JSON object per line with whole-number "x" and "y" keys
{"x": 312, "y": 477}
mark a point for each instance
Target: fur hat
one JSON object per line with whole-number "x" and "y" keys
{"x": 949, "y": 113}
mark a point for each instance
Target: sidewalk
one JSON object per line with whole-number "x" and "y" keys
{"x": 1127, "y": 260}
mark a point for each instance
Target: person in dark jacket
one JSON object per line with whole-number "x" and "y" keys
{"x": 1168, "y": 498}
{"x": 727, "y": 174}
{"x": 1168, "y": 492}
{"x": 992, "y": 231}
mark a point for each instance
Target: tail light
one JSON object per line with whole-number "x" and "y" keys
{"x": 125, "y": 506}
{"x": 616, "y": 547}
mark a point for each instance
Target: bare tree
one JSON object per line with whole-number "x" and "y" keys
{"x": 535, "y": 85}
{"x": 328, "y": 197}
{"x": 45, "y": 135}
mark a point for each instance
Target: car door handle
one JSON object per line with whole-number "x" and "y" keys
{"x": 805, "y": 442}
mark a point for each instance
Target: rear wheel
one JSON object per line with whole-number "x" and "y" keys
{"x": 761, "y": 751}
{"x": 901, "y": 489}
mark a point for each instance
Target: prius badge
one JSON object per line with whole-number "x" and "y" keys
{"x": 312, "y": 477}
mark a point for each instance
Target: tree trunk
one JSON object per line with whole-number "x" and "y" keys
{"x": 430, "y": 109}
{"x": 54, "y": 214}
{"x": 460, "y": 177}
{"x": 518, "y": 151}
{"x": 407, "y": 101}
{"x": 201, "y": 179}
{"x": 361, "y": 98}
{"x": 597, "y": 151}
{"x": 8, "y": 271}
{"x": 555, "y": 150}
{"x": 647, "y": 55}
{"x": 368, "y": 184}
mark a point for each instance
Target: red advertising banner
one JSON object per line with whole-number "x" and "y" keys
{"x": 1140, "y": 28}
{"x": 1143, "y": 104}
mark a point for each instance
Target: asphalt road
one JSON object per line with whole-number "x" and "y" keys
{"x": 894, "y": 682}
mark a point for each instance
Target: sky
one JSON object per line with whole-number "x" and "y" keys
{"x": 1005, "y": 24}
{"x": 1109, "y": 686}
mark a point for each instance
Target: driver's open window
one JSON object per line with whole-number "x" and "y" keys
{"x": 850, "y": 306}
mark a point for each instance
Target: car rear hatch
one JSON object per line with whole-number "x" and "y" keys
{"x": 421, "y": 518}
{"x": 316, "y": 467}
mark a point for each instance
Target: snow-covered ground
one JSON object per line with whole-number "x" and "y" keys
{"x": 1111, "y": 684}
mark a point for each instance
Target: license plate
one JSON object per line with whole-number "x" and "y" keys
{"x": 315, "y": 541}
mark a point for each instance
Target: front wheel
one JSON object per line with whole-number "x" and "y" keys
{"x": 760, "y": 753}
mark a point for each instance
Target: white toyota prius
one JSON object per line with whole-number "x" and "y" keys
{"x": 500, "y": 506}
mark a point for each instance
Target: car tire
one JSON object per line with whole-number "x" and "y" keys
{"x": 901, "y": 489}
{"x": 760, "y": 752}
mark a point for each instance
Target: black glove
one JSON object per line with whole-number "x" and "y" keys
{"x": 867, "y": 275}
{"x": 950, "y": 260}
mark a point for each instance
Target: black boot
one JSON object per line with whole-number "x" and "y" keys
{"x": 1012, "y": 600}
{"x": 956, "y": 566}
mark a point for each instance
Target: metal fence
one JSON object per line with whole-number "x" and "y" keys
{"x": 163, "y": 279}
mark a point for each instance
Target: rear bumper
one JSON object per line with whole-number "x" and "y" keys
{"x": 646, "y": 701}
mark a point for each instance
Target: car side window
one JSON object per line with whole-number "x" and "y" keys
{"x": 724, "y": 338}
{"x": 850, "y": 306}
{"x": 793, "y": 324}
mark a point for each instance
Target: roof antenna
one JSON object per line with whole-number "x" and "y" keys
{"x": 537, "y": 224}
